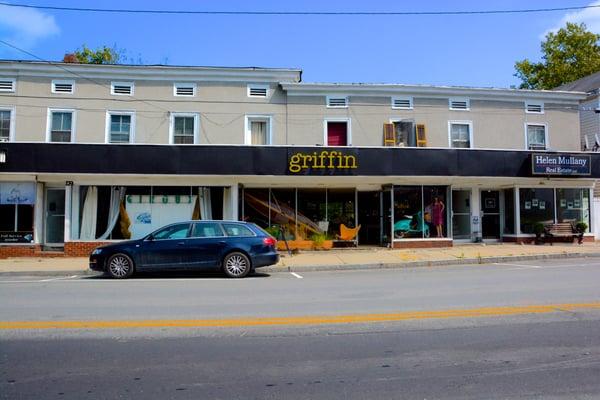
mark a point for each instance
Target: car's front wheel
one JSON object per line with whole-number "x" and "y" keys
{"x": 236, "y": 265}
{"x": 120, "y": 266}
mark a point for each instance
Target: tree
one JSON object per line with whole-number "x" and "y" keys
{"x": 102, "y": 55}
{"x": 569, "y": 54}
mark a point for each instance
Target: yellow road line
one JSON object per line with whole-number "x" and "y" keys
{"x": 302, "y": 320}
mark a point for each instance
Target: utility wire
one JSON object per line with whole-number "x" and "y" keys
{"x": 302, "y": 13}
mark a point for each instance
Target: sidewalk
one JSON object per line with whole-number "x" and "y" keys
{"x": 347, "y": 258}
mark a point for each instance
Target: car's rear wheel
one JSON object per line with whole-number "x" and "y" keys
{"x": 236, "y": 265}
{"x": 120, "y": 266}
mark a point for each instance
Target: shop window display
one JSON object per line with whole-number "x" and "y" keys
{"x": 434, "y": 201}
{"x": 17, "y": 201}
{"x": 340, "y": 210}
{"x": 409, "y": 221}
{"x": 536, "y": 206}
{"x": 573, "y": 205}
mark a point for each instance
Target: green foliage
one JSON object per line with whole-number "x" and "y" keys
{"x": 318, "y": 239}
{"x": 274, "y": 231}
{"x": 581, "y": 227}
{"x": 567, "y": 55}
{"x": 102, "y": 55}
{"x": 538, "y": 228}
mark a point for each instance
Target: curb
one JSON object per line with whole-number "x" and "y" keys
{"x": 351, "y": 267}
{"x": 415, "y": 264}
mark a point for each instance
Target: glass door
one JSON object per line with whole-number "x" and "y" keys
{"x": 490, "y": 214}
{"x": 461, "y": 214}
{"x": 55, "y": 216}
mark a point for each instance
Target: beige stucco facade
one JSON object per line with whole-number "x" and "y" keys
{"x": 297, "y": 112}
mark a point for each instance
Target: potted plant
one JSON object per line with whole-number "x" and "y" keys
{"x": 580, "y": 228}
{"x": 320, "y": 241}
{"x": 538, "y": 229}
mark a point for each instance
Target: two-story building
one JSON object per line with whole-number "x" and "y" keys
{"x": 92, "y": 153}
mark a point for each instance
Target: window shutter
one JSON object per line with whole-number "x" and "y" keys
{"x": 122, "y": 88}
{"x": 7, "y": 85}
{"x": 62, "y": 87}
{"x": 184, "y": 90}
{"x": 421, "y": 137}
{"x": 389, "y": 135}
{"x": 534, "y": 108}
{"x": 402, "y": 103}
{"x": 337, "y": 102}
{"x": 459, "y": 104}
{"x": 255, "y": 91}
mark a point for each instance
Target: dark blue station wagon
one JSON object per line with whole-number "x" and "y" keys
{"x": 234, "y": 247}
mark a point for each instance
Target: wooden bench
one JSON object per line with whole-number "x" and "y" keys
{"x": 562, "y": 231}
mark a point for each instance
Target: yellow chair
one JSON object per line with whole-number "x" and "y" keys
{"x": 348, "y": 234}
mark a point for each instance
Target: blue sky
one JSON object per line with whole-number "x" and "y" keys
{"x": 441, "y": 50}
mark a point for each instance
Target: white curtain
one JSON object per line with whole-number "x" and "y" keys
{"x": 116, "y": 196}
{"x": 258, "y": 132}
{"x": 89, "y": 215}
{"x": 205, "y": 203}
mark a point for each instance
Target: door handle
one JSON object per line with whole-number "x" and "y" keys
{"x": 180, "y": 243}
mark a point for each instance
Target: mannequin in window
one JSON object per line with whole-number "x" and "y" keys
{"x": 437, "y": 211}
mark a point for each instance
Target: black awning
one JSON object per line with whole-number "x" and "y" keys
{"x": 266, "y": 160}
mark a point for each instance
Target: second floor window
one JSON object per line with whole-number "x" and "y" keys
{"x": 258, "y": 130}
{"x": 4, "y": 125}
{"x": 184, "y": 129}
{"x": 536, "y": 137}
{"x": 120, "y": 128}
{"x": 460, "y": 135}
{"x": 61, "y": 128}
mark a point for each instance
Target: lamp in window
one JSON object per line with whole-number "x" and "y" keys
{"x": 2, "y": 156}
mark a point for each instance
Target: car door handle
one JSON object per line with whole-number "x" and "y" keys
{"x": 180, "y": 243}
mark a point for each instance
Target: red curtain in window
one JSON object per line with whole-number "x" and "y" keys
{"x": 337, "y": 134}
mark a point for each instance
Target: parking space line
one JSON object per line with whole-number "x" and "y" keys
{"x": 296, "y": 275}
{"x": 520, "y": 265}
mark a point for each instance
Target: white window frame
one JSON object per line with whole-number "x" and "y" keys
{"x": 258, "y": 86}
{"x": 14, "y": 84}
{"x": 540, "y": 103}
{"x": 11, "y": 129}
{"x": 122, "y": 83}
{"x": 546, "y": 135}
{"x": 465, "y": 99}
{"x": 409, "y": 98}
{"x": 457, "y": 122}
{"x": 184, "y": 84}
{"x": 65, "y": 82}
{"x": 248, "y": 133}
{"x": 172, "y": 116}
{"x": 348, "y": 129}
{"x": 73, "y": 111}
{"x": 109, "y": 113}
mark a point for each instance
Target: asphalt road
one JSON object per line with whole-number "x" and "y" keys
{"x": 550, "y": 355}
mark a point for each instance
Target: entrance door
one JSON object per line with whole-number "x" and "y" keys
{"x": 461, "y": 214}
{"x": 55, "y": 216}
{"x": 490, "y": 214}
{"x": 369, "y": 218}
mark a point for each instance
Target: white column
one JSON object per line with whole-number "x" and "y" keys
{"x": 233, "y": 202}
{"x": 75, "y": 213}
{"x": 40, "y": 211}
{"x": 476, "y": 222}
{"x": 68, "y": 211}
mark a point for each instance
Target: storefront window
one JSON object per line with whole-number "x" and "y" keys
{"x": 435, "y": 207}
{"x": 311, "y": 216}
{"x": 409, "y": 221}
{"x": 283, "y": 213}
{"x": 573, "y": 205}
{"x": 537, "y": 206}
{"x": 340, "y": 210}
{"x": 17, "y": 202}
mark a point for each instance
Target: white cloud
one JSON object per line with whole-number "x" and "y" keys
{"x": 24, "y": 27}
{"x": 590, "y": 16}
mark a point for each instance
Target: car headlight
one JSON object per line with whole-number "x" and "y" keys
{"x": 96, "y": 251}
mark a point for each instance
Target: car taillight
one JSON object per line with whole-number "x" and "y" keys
{"x": 269, "y": 241}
